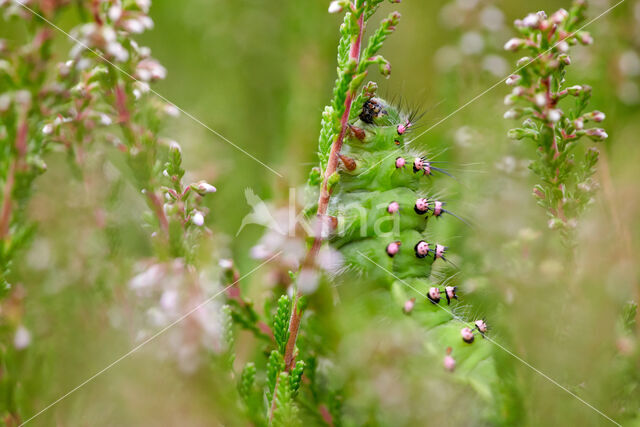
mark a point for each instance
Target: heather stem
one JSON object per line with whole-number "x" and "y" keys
{"x": 323, "y": 201}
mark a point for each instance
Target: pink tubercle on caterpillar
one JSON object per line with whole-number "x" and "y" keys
{"x": 400, "y": 162}
{"x": 440, "y": 250}
{"x": 422, "y": 249}
{"x": 393, "y": 207}
{"x": 421, "y": 206}
{"x": 434, "y": 295}
{"x": 427, "y": 168}
{"x": 437, "y": 208}
{"x": 450, "y": 292}
{"x": 393, "y": 248}
{"x": 402, "y": 128}
{"x": 449, "y": 362}
{"x": 467, "y": 335}
{"x": 408, "y": 305}
{"x": 481, "y": 326}
{"x": 417, "y": 164}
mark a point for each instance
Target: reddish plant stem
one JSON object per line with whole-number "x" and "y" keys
{"x": 5, "y": 217}
{"x": 323, "y": 201}
{"x": 158, "y": 209}
{"x": 21, "y": 148}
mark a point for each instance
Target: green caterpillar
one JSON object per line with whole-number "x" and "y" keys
{"x": 379, "y": 209}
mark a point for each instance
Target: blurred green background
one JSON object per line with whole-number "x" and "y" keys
{"x": 260, "y": 72}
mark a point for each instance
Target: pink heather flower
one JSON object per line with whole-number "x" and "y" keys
{"x": 562, "y": 46}
{"x": 597, "y": 116}
{"x": 559, "y": 16}
{"x": 532, "y": 20}
{"x": 585, "y": 38}
{"x": 597, "y": 134}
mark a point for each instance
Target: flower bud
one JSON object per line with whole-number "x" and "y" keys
{"x": 596, "y": 134}
{"x": 512, "y": 114}
{"x": 203, "y": 187}
{"x": 575, "y": 90}
{"x": 514, "y": 44}
{"x": 513, "y": 79}
{"x": 585, "y": 38}
{"x": 596, "y": 116}
{"x": 559, "y": 16}
{"x": 336, "y": 6}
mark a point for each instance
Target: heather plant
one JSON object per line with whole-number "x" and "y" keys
{"x": 370, "y": 290}
{"x": 555, "y": 113}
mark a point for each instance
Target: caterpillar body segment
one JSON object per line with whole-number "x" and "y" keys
{"x": 383, "y": 203}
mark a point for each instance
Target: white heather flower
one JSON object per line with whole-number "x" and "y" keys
{"x": 495, "y": 64}
{"x": 518, "y": 91}
{"x": 508, "y": 100}
{"x": 471, "y": 43}
{"x": 492, "y": 18}
{"x": 47, "y": 129}
{"x": 513, "y": 79}
{"x": 197, "y": 218}
{"x": 144, "y": 5}
{"x": 134, "y": 26}
{"x": 578, "y": 124}
{"x": 540, "y": 99}
{"x": 629, "y": 63}
{"x": 146, "y": 22}
{"x": 115, "y": 12}
{"x": 511, "y": 114}
{"x": 116, "y": 50}
{"x": 531, "y": 20}
{"x": 308, "y": 280}
{"x": 335, "y": 7}
{"x": 108, "y": 34}
{"x": 513, "y": 44}
{"x": 173, "y": 145}
{"x": 105, "y": 119}
{"x": 447, "y": 57}
{"x": 629, "y": 93}
{"x": 225, "y": 264}
{"x": 171, "y": 110}
{"x": 555, "y": 115}
{"x": 563, "y": 46}
{"x": 22, "y": 338}
{"x": 204, "y": 187}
